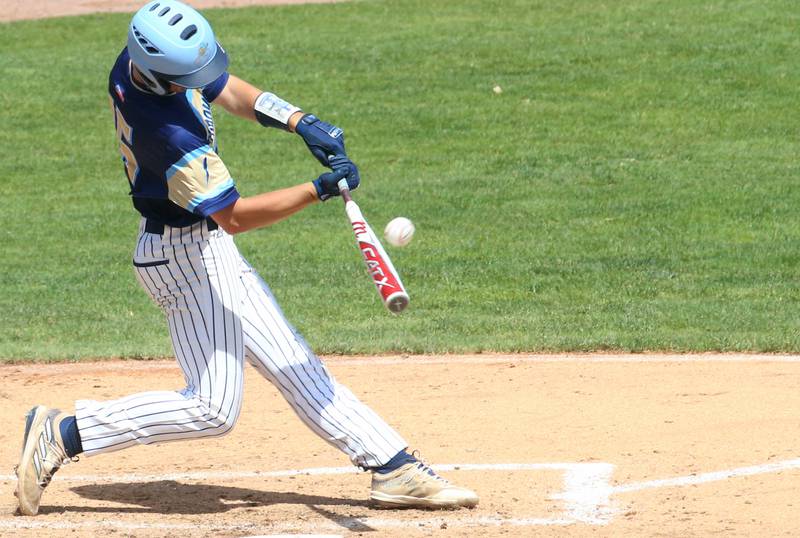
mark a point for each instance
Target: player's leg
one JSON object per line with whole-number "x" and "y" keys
{"x": 198, "y": 288}
{"x": 199, "y": 292}
{"x": 331, "y": 410}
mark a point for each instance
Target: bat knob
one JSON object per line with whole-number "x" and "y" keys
{"x": 397, "y": 302}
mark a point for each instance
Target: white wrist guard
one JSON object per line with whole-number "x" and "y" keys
{"x": 272, "y": 111}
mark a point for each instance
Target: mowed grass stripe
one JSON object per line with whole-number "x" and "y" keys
{"x": 631, "y": 187}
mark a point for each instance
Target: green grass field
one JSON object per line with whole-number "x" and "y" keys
{"x": 633, "y": 187}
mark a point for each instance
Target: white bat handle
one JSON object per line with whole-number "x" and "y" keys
{"x": 344, "y": 189}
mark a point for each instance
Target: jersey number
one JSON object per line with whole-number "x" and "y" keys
{"x": 125, "y": 136}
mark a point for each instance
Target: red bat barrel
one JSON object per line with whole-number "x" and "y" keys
{"x": 384, "y": 275}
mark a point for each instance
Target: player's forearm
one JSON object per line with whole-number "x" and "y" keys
{"x": 265, "y": 209}
{"x": 239, "y": 98}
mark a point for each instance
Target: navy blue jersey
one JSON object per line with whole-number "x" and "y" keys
{"x": 169, "y": 149}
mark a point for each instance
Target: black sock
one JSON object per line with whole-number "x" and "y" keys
{"x": 69, "y": 434}
{"x": 400, "y": 459}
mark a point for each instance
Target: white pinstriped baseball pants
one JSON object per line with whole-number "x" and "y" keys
{"x": 219, "y": 313}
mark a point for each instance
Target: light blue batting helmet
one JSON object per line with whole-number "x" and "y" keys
{"x": 171, "y": 42}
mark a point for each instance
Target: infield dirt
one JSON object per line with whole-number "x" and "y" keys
{"x": 651, "y": 417}
{"x": 26, "y": 9}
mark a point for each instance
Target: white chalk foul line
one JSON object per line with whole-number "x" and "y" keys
{"x": 714, "y": 476}
{"x": 312, "y": 471}
{"x": 195, "y": 476}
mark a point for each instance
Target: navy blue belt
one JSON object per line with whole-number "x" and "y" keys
{"x": 155, "y": 227}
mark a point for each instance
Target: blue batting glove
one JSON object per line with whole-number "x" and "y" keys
{"x": 339, "y": 161}
{"x": 327, "y": 184}
{"x": 322, "y": 138}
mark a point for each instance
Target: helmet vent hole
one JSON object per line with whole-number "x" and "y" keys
{"x": 188, "y": 32}
{"x": 174, "y": 20}
{"x": 155, "y": 6}
{"x": 163, "y": 11}
{"x": 151, "y": 49}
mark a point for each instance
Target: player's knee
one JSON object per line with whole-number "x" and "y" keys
{"x": 220, "y": 421}
{"x": 229, "y": 419}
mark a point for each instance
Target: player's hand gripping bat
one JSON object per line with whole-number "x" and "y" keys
{"x": 380, "y": 267}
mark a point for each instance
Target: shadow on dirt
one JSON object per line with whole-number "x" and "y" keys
{"x": 170, "y": 497}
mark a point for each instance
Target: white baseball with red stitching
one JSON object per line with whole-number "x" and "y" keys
{"x": 399, "y": 231}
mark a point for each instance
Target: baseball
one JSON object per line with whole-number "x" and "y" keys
{"x": 399, "y": 231}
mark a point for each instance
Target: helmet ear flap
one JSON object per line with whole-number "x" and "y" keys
{"x": 154, "y": 83}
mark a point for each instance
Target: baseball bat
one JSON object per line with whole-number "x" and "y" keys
{"x": 379, "y": 265}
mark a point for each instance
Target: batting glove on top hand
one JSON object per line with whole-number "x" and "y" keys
{"x": 342, "y": 161}
{"x": 322, "y": 138}
{"x": 327, "y": 184}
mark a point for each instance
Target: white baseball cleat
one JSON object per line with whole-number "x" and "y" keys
{"x": 415, "y": 485}
{"x": 42, "y": 454}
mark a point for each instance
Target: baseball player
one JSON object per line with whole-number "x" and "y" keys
{"x": 218, "y": 310}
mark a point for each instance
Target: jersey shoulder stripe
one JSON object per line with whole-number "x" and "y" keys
{"x": 199, "y": 180}
{"x": 186, "y": 161}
